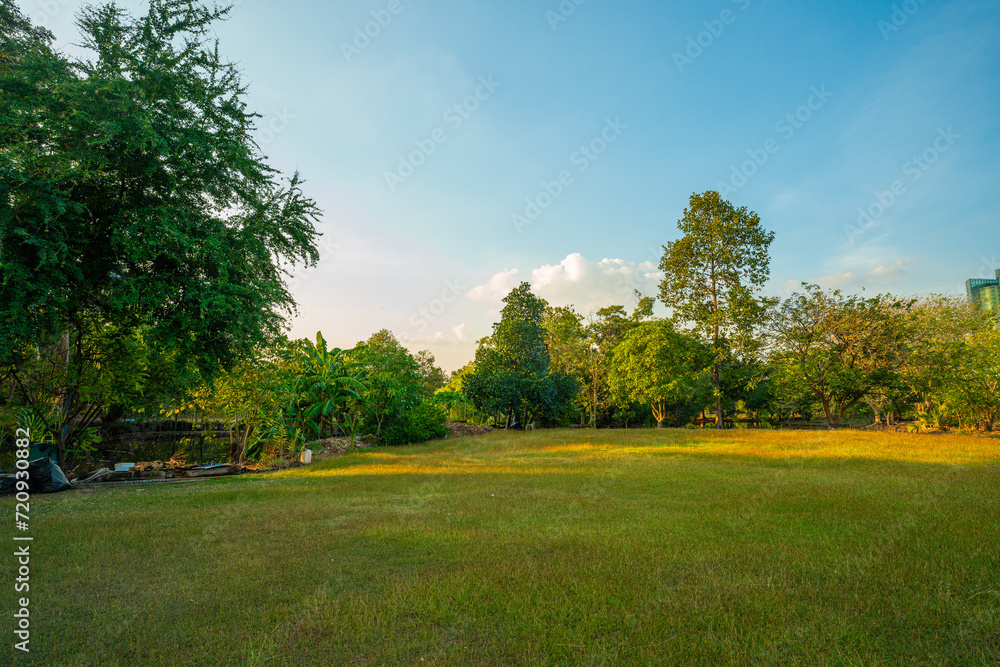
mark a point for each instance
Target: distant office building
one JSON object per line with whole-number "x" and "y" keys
{"x": 984, "y": 292}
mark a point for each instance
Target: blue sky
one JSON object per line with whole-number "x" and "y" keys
{"x": 803, "y": 112}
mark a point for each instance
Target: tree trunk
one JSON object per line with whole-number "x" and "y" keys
{"x": 234, "y": 445}
{"x": 837, "y": 414}
{"x": 715, "y": 351}
{"x": 659, "y": 413}
{"x": 718, "y": 396}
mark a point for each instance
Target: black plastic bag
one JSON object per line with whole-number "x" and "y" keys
{"x": 45, "y": 476}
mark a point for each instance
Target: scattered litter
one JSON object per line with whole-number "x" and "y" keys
{"x": 148, "y": 471}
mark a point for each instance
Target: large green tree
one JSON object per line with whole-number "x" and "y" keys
{"x": 976, "y": 377}
{"x": 605, "y": 330}
{"x": 581, "y": 348}
{"x": 659, "y": 367}
{"x": 326, "y": 386}
{"x": 711, "y": 274}
{"x": 511, "y": 378}
{"x": 394, "y": 384}
{"x": 132, "y": 195}
{"x": 568, "y": 342}
{"x": 939, "y": 330}
{"x": 953, "y": 369}
{"x": 838, "y": 349}
{"x": 433, "y": 377}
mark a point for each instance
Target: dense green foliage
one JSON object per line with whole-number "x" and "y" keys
{"x": 662, "y": 369}
{"x": 838, "y": 349}
{"x": 933, "y": 361}
{"x": 145, "y": 242}
{"x": 392, "y": 378}
{"x": 326, "y": 386}
{"x": 277, "y": 402}
{"x": 424, "y": 421}
{"x": 134, "y": 199}
{"x": 511, "y": 378}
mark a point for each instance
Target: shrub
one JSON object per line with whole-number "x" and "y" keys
{"x": 421, "y": 423}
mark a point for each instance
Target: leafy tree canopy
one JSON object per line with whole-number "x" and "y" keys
{"x": 511, "y": 375}
{"x": 133, "y": 197}
{"x": 659, "y": 367}
{"x": 392, "y": 377}
{"x": 837, "y": 348}
{"x": 131, "y": 190}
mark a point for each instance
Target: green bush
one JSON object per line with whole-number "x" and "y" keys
{"x": 421, "y": 423}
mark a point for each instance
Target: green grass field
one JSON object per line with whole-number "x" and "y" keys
{"x": 543, "y": 548}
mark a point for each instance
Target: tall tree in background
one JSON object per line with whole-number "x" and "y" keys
{"x": 133, "y": 195}
{"x": 977, "y": 377}
{"x": 433, "y": 377}
{"x": 582, "y": 349}
{"x": 712, "y": 272}
{"x": 568, "y": 342}
{"x": 953, "y": 369}
{"x": 606, "y": 330}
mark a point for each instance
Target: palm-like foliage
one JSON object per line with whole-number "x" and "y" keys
{"x": 326, "y": 387}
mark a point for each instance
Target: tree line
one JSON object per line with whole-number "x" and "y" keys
{"x": 933, "y": 362}
{"x": 727, "y": 351}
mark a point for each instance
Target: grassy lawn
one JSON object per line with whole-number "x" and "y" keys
{"x": 544, "y": 548}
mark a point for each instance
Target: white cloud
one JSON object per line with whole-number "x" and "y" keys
{"x": 437, "y": 338}
{"x": 592, "y": 285}
{"x": 496, "y": 288}
{"x": 889, "y": 271}
{"x": 459, "y": 335}
{"x": 585, "y": 284}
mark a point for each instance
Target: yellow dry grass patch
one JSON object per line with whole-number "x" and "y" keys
{"x": 417, "y": 468}
{"x": 910, "y": 447}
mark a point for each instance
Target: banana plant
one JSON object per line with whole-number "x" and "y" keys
{"x": 35, "y": 425}
{"x": 353, "y": 422}
{"x": 327, "y": 387}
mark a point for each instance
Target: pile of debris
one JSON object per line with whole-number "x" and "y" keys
{"x": 456, "y": 429}
{"x": 339, "y": 445}
{"x": 175, "y": 468}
